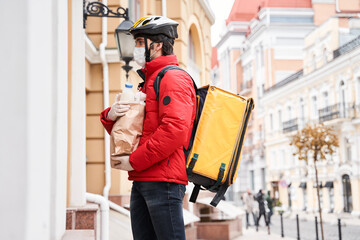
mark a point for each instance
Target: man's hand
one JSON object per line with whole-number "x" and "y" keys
{"x": 123, "y": 163}
{"x": 118, "y": 109}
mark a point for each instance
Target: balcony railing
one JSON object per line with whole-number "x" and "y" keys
{"x": 287, "y": 80}
{"x": 290, "y": 126}
{"x": 339, "y": 110}
{"x": 347, "y": 47}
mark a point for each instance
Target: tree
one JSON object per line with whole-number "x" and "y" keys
{"x": 317, "y": 141}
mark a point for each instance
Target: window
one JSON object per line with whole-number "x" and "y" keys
{"x": 291, "y": 19}
{"x": 331, "y": 197}
{"x": 326, "y": 99}
{"x": 314, "y": 107}
{"x": 302, "y": 112}
{"x": 271, "y": 122}
{"x": 342, "y": 99}
{"x": 289, "y": 112}
{"x": 262, "y": 55}
{"x": 358, "y": 93}
{"x": 273, "y": 160}
{"x": 314, "y": 62}
{"x": 348, "y": 149}
{"x": 280, "y": 119}
{"x": 325, "y": 56}
{"x": 304, "y": 199}
{"x": 193, "y": 68}
{"x": 191, "y": 47}
{"x": 263, "y": 180}
{"x": 247, "y": 75}
{"x": 134, "y": 10}
{"x": 252, "y": 180}
{"x": 282, "y": 155}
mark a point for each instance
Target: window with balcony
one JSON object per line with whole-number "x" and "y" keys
{"x": 291, "y": 124}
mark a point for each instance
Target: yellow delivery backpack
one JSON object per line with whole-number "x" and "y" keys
{"x": 213, "y": 155}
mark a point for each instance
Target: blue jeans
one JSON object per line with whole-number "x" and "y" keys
{"x": 156, "y": 211}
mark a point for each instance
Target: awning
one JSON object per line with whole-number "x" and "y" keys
{"x": 302, "y": 185}
{"x": 230, "y": 210}
{"x": 329, "y": 184}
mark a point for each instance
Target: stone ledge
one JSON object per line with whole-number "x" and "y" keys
{"x": 81, "y": 217}
{"x": 79, "y": 235}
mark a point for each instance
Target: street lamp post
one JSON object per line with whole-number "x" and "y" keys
{"x": 124, "y": 40}
{"x": 125, "y": 44}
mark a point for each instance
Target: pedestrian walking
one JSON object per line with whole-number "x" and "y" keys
{"x": 157, "y": 167}
{"x": 248, "y": 199}
{"x": 270, "y": 204}
{"x": 260, "y": 198}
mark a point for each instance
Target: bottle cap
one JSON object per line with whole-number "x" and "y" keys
{"x": 128, "y": 85}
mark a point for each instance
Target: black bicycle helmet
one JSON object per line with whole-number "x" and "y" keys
{"x": 154, "y": 25}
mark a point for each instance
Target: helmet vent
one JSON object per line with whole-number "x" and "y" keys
{"x": 146, "y": 22}
{"x": 156, "y": 18}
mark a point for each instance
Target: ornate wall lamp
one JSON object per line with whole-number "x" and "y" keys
{"x": 124, "y": 40}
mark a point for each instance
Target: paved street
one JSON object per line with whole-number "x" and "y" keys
{"x": 307, "y": 230}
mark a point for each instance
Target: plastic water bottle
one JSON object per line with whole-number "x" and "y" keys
{"x": 127, "y": 94}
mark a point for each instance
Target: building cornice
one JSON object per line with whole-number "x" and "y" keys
{"x": 227, "y": 36}
{"x": 93, "y": 56}
{"x": 209, "y": 13}
{"x": 313, "y": 77}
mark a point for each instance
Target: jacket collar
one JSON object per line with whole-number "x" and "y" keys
{"x": 159, "y": 63}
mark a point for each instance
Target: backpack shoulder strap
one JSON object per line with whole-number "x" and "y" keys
{"x": 161, "y": 75}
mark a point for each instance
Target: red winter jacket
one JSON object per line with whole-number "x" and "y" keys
{"x": 167, "y": 127}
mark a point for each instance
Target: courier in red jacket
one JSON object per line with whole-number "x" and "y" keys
{"x": 157, "y": 166}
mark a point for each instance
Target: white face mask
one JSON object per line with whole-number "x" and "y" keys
{"x": 139, "y": 56}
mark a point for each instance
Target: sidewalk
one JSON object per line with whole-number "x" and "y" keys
{"x": 251, "y": 234}
{"x": 330, "y": 218}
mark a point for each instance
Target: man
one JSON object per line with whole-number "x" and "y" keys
{"x": 248, "y": 199}
{"x": 157, "y": 166}
{"x": 270, "y": 204}
{"x": 262, "y": 210}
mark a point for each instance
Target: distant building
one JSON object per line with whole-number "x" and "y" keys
{"x": 326, "y": 90}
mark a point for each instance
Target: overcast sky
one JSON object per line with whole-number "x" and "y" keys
{"x": 221, "y": 9}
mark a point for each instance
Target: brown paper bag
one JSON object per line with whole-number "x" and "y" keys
{"x": 126, "y": 132}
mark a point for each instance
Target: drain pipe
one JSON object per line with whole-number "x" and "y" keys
{"x": 106, "y": 105}
{"x": 163, "y": 7}
{"x": 104, "y": 211}
{"x": 337, "y": 6}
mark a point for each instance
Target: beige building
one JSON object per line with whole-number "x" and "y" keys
{"x": 327, "y": 91}
{"x": 60, "y": 76}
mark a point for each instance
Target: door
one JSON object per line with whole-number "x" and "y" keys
{"x": 347, "y": 193}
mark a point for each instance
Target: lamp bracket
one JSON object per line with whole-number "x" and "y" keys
{"x": 98, "y": 9}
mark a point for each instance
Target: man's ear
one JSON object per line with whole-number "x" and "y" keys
{"x": 159, "y": 46}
